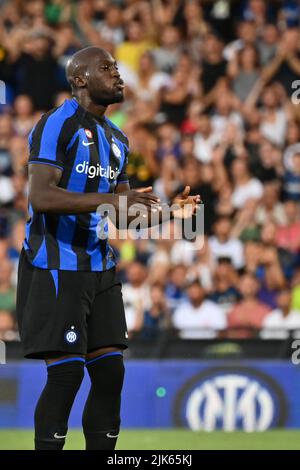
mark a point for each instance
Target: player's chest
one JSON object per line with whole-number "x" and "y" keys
{"x": 95, "y": 156}
{"x": 96, "y": 144}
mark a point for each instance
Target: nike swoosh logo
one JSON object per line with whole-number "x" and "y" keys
{"x": 57, "y": 436}
{"x": 112, "y": 436}
{"x": 86, "y": 144}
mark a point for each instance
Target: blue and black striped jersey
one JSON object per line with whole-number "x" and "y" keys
{"x": 92, "y": 154}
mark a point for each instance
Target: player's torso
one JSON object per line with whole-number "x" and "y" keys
{"x": 94, "y": 157}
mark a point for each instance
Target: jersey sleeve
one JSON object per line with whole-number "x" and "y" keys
{"x": 48, "y": 141}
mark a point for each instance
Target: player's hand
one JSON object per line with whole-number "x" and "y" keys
{"x": 186, "y": 204}
{"x": 142, "y": 196}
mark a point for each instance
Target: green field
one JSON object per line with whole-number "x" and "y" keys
{"x": 169, "y": 440}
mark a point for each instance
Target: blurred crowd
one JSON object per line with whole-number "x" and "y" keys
{"x": 212, "y": 101}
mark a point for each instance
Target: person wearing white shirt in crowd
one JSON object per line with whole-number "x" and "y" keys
{"x": 281, "y": 320}
{"x": 222, "y": 245}
{"x": 246, "y": 187}
{"x": 198, "y": 317}
{"x": 205, "y": 139}
{"x": 136, "y": 295}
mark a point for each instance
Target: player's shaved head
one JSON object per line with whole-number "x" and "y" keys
{"x": 79, "y": 63}
{"x": 94, "y": 77}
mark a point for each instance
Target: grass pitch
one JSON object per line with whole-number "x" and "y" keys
{"x": 158, "y": 439}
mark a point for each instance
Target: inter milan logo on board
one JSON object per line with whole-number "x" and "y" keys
{"x": 71, "y": 336}
{"x": 230, "y": 398}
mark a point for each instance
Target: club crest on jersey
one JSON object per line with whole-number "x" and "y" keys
{"x": 116, "y": 150}
{"x": 71, "y": 336}
{"x": 88, "y": 133}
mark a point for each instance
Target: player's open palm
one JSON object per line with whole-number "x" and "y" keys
{"x": 184, "y": 204}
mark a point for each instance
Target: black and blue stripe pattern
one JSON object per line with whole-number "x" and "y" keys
{"x": 92, "y": 155}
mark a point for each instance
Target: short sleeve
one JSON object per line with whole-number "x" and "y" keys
{"x": 48, "y": 140}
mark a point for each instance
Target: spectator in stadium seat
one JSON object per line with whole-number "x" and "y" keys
{"x": 36, "y": 68}
{"x": 111, "y": 26}
{"x": 270, "y": 208}
{"x": 225, "y": 294}
{"x": 130, "y": 51}
{"x": 175, "y": 286}
{"x": 244, "y": 71}
{"x": 206, "y": 139}
{"x": 222, "y": 245}
{"x": 285, "y": 66}
{"x": 224, "y": 114}
{"x": 292, "y": 136}
{"x": 287, "y": 259}
{"x": 4, "y": 240}
{"x": 24, "y": 118}
{"x": 273, "y": 117}
{"x": 248, "y": 315}
{"x": 148, "y": 80}
{"x": 288, "y": 235}
{"x": 246, "y": 36}
{"x": 176, "y": 96}
{"x": 136, "y": 295}
{"x": 258, "y": 12}
{"x": 252, "y": 252}
{"x": 204, "y": 263}
{"x": 268, "y": 43}
{"x": 167, "y": 55}
{"x": 267, "y": 166}
{"x": 7, "y": 326}
{"x": 213, "y": 65}
{"x": 280, "y": 322}
{"x": 270, "y": 275}
{"x": 198, "y": 317}
{"x": 18, "y": 149}
{"x": 245, "y": 186}
{"x": 7, "y": 290}
{"x": 291, "y": 179}
{"x": 157, "y": 317}
{"x": 168, "y": 141}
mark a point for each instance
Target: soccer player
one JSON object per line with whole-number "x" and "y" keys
{"x": 69, "y": 302}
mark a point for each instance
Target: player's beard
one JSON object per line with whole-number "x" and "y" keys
{"x": 106, "y": 100}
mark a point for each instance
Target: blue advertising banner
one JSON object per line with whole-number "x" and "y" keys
{"x": 200, "y": 395}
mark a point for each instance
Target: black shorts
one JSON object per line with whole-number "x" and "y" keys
{"x": 73, "y": 312}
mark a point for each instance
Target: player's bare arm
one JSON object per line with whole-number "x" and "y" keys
{"x": 46, "y": 196}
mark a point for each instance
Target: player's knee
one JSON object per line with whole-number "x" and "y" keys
{"x": 67, "y": 373}
{"x": 107, "y": 373}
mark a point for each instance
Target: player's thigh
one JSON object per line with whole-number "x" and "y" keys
{"x": 52, "y": 311}
{"x": 107, "y": 323}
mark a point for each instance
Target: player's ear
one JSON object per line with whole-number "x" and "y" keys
{"x": 79, "y": 82}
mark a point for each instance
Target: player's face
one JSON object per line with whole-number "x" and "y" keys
{"x": 104, "y": 83}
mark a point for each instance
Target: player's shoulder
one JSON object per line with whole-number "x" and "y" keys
{"x": 55, "y": 120}
{"x": 117, "y": 132}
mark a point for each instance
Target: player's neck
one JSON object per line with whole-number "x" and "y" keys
{"x": 97, "y": 110}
